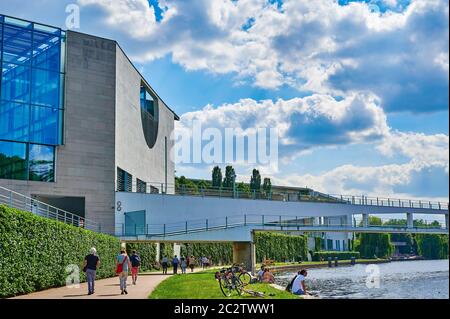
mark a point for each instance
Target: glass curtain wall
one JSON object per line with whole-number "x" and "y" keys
{"x": 31, "y": 99}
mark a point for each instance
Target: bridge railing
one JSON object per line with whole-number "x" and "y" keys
{"x": 280, "y": 222}
{"x": 19, "y": 201}
{"x": 302, "y": 195}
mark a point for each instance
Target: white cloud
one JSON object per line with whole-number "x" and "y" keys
{"x": 316, "y": 46}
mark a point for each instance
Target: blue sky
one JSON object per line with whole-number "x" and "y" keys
{"x": 359, "y": 88}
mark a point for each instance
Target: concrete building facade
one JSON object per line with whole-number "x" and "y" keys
{"x": 111, "y": 130}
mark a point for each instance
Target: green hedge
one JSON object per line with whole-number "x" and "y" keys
{"x": 147, "y": 252}
{"x": 280, "y": 247}
{"x": 35, "y": 251}
{"x": 220, "y": 253}
{"x": 341, "y": 255}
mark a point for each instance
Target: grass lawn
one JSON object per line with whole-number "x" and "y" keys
{"x": 202, "y": 285}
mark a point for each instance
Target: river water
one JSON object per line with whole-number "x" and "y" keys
{"x": 422, "y": 279}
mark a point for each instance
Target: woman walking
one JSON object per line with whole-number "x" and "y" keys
{"x": 123, "y": 265}
{"x": 91, "y": 263}
{"x": 183, "y": 265}
{"x": 192, "y": 263}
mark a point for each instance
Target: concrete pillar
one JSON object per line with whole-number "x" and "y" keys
{"x": 446, "y": 221}
{"x": 244, "y": 253}
{"x": 158, "y": 251}
{"x": 410, "y": 220}
{"x": 177, "y": 249}
{"x": 365, "y": 220}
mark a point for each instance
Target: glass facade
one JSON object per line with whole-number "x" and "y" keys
{"x": 149, "y": 115}
{"x": 31, "y": 99}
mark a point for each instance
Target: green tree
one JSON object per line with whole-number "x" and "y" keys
{"x": 255, "y": 181}
{"x": 267, "y": 186}
{"x": 183, "y": 184}
{"x": 371, "y": 245}
{"x": 243, "y": 188}
{"x": 430, "y": 246}
{"x": 217, "y": 177}
{"x": 229, "y": 177}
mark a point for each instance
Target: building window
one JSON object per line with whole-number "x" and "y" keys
{"x": 149, "y": 115}
{"x": 41, "y": 163}
{"x": 141, "y": 187}
{"x": 124, "y": 181}
{"x": 31, "y": 99}
{"x": 27, "y": 162}
{"x": 13, "y": 160}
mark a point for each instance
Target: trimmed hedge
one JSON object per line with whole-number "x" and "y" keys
{"x": 220, "y": 253}
{"x": 35, "y": 251}
{"x": 280, "y": 247}
{"x": 341, "y": 255}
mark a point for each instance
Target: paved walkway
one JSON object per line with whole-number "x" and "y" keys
{"x": 105, "y": 289}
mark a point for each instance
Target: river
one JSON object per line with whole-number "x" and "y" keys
{"x": 422, "y": 279}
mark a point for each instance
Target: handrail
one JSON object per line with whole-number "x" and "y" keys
{"x": 279, "y": 221}
{"x": 19, "y": 201}
{"x": 287, "y": 196}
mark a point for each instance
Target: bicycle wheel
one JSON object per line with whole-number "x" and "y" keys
{"x": 245, "y": 278}
{"x": 238, "y": 285}
{"x": 225, "y": 286}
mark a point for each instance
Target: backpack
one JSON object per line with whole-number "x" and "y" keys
{"x": 289, "y": 286}
{"x": 135, "y": 261}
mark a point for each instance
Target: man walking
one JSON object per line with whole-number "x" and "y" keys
{"x": 91, "y": 263}
{"x": 175, "y": 263}
{"x": 135, "y": 264}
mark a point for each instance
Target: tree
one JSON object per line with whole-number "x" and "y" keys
{"x": 430, "y": 246}
{"x": 217, "y": 177}
{"x": 267, "y": 186}
{"x": 243, "y": 188}
{"x": 371, "y": 245}
{"x": 255, "y": 181}
{"x": 229, "y": 177}
{"x": 185, "y": 185}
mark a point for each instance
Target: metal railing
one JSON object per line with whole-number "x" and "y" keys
{"x": 281, "y": 222}
{"x": 19, "y": 201}
{"x": 306, "y": 195}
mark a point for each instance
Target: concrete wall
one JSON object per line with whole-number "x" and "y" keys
{"x": 132, "y": 153}
{"x": 85, "y": 163}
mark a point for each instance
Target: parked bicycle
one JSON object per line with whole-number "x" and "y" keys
{"x": 233, "y": 279}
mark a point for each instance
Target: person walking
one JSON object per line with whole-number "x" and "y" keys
{"x": 192, "y": 263}
{"x": 123, "y": 265}
{"x": 183, "y": 265}
{"x": 165, "y": 265}
{"x": 91, "y": 263}
{"x": 175, "y": 263}
{"x": 135, "y": 264}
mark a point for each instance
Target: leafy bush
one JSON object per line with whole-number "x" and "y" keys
{"x": 432, "y": 246}
{"x": 341, "y": 255}
{"x": 35, "y": 251}
{"x": 280, "y": 247}
{"x": 220, "y": 253}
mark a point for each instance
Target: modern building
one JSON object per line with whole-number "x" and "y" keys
{"x": 78, "y": 122}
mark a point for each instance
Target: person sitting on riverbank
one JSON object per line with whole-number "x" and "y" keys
{"x": 298, "y": 285}
{"x": 260, "y": 273}
{"x": 268, "y": 277}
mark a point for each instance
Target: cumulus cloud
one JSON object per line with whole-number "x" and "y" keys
{"x": 314, "y": 46}
{"x": 302, "y": 123}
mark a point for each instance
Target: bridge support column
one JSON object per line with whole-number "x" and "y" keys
{"x": 446, "y": 221}
{"x": 410, "y": 220}
{"x": 158, "y": 251}
{"x": 244, "y": 253}
{"x": 365, "y": 220}
{"x": 177, "y": 249}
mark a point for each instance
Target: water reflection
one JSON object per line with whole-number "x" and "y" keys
{"x": 398, "y": 280}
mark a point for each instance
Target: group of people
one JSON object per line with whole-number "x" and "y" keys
{"x": 123, "y": 265}
{"x": 184, "y": 263}
{"x": 296, "y": 285}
